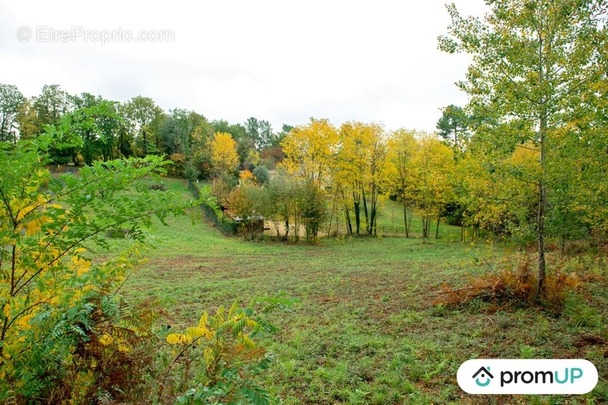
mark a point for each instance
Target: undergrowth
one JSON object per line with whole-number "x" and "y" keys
{"x": 516, "y": 284}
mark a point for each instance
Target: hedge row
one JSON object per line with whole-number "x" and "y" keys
{"x": 214, "y": 213}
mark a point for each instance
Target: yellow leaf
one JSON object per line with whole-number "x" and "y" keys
{"x": 24, "y": 322}
{"x": 173, "y": 339}
{"x": 106, "y": 340}
{"x": 250, "y": 344}
{"x": 32, "y": 227}
{"x": 196, "y": 332}
{"x": 203, "y": 321}
{"x": 209, "y": 356}
{"x": 23, "y": 212}
{"x": 224, "y": 156}
{"x": 178, "y": 338}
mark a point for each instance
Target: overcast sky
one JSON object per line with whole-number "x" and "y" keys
{"x": 279, "y": 60}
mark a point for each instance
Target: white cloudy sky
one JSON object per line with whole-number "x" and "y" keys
{"x": 283, "y": 61}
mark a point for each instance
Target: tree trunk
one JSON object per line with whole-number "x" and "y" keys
{"x": 349, "y": 225}
{"x": 409, "y": 221}
{"x": 357, "y": 217}
{"x": 372, "y": 225}
{"x": 542, "y": 197}
{"x": 331, "y": 217}
{"x": 365, "y": 211}
{"x": 540, "y": 220}
{"x": 426, "y": 226}
{"x": 437, "y": 228}
{"x": 405, "y": 221}
{"x": 373, "y": 212}
{"x": 337, "y": 221}
{"x": 423, "y": 227}
{"x": 145, "y": 142}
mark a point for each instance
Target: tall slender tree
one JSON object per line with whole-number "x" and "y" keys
{"x": 534, "y": 63}
{"x": 401, "y": 148}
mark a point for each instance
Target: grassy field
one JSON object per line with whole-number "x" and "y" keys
{"x": 364, "y": 329}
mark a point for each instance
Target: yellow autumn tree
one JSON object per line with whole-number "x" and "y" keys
{"x": 429, "y": 182}
{"x": 402, "y": 145}
{"x": 498, "y": 193}
{"x": 309, "y": 150}
{"x": 360, "y": 173}
{"x": 224, "y": 157}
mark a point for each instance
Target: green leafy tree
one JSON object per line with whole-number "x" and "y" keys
{"x": 252, "y": 128}
{"x": 52, "y": 104}
{"x": 259, "y": 132}
{"x": 453, "y": 126}
{"x": 200, "y": 153}
{"x": 65, "y": 143}
{"x": 535, "y": 63}
{"x": 172, "y": 138}
{"x": 11, "y": 101}
{"x": 97, "y": 125}
{"x": 267, "y": 137}
{"x": 142, "y": 113}
{"x": 188, "y": 122}
{"x": 85, "y": 100}
{"x": 279, "y": 136}
{"x": 313, "y": 208}
{"x": 282, "y": 190}
{"x": 177, "y": 130}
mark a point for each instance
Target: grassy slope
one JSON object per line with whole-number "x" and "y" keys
{"x": 365, "y": 329}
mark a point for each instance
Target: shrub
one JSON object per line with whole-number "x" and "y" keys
{"x": 212, "y": 210}
{"x": 515, "y": 284}
{"x": 176, "y": 169}
{"x": 262, "y": 175}
{"x": 245, "y": 177}
{"x": 54, "y": 301}
{"x": 191, "y": 172}
{"x": 66, "y": 335}
{"x": 218, "y": 360}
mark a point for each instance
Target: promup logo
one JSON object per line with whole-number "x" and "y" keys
{"x": 500, "y": 376}
{"x": 483, "y": 374}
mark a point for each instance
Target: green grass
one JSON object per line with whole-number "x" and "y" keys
{"x": 365, "y": 329}
{"x": 390, "y": 221}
